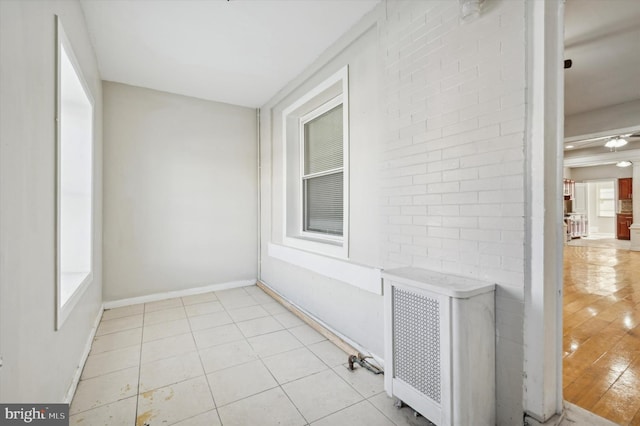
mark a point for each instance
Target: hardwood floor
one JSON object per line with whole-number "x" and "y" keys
{"x": 601, "y": 336}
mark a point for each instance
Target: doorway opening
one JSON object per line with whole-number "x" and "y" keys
{"x": 600, "y": 319}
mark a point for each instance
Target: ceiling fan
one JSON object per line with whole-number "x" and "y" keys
{"x": 625, "y": 136}
{"x": 610, "y": 141}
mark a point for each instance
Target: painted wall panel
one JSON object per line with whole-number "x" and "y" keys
{"x": 608, "y": 171}
{"x": 39, "y": 363}
{"x": 180, "y": 192}
{"x": 355, "y": 313}
{"x": 612, "y": 118}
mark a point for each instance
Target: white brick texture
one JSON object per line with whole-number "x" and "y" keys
{"x": 453, "y": 157}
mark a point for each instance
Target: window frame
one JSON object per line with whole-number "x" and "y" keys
{"x": 600, "y": 212}
{"x": 303, "y": 110}
{"x": 326, "y": 107}
{"x": 63, "y": 310}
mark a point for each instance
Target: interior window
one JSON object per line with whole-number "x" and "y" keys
{"x": 74, "y": 180}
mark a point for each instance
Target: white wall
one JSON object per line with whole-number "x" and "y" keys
{"x": 607, "y": 171}
{"x": 39, "y": 363}
{"x": 354, "y": 312}
{"x": 180, "y": 192}
{"x": 456, "y": 107}
{"x": 615, "y": 117}
{"x": 448, "y": 131}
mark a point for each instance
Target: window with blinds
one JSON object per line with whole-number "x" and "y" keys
{"x": 323, "y": 170}
{"x": 315, "y": 148}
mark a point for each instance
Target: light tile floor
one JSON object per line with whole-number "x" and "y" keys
{"x": 233, "y": 357}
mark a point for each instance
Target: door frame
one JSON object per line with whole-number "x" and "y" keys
{"x": 542, "y": 334}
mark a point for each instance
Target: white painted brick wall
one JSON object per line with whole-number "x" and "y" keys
{"x": 453, "y": 157}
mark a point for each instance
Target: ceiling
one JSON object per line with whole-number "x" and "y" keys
{"x": 243, "y": 51}
{"x": 596, "y": 145}
{"x": 602, "y": 38}
{"x": 239, "y": 52}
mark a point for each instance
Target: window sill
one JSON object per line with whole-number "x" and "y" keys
{"x": 68, "y": 298}
{"x": 327, "y": 247}
{"x": 70, "y": 283}
{"x": 363, "y": 277}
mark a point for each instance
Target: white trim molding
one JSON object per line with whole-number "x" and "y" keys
{"x": 542, "y": 327}
{"x": 178, "y": 293}
{"x": 68, "y": 397}
{"x": 366, "y": 278}
{"x": 335, "y": 86}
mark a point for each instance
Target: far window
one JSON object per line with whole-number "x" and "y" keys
{"x": 323, "y": 170}
{"x": 606, "y": 206}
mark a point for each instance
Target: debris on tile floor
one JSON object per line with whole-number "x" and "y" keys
{"x": 234, "y": 357}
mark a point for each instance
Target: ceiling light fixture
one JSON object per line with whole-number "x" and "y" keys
{"x": 569, "y": 146}
{"x": 615, "y": 143}
{"x": 623, "y": 163}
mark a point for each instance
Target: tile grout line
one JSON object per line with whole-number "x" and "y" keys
{"x": 279, "y": 385}
{"x": 305, "y": 346}
{"x": 329, "y": 368}
{"x": 354, "y": 404}
{"x": 175, "y": 356}
{"x": 284, "y": 391}
{"x": 118, "y": 331}
{"x": 140, "y": 355}
{"x": 215, "y": 407}
{"x": 262, "y": 359}
{"x": 144, "y": 311}
{"x": 91, "y": 353}
{"x": 379, "y": 410}
{"x": 204, "y": 371}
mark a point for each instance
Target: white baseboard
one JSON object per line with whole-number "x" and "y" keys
{"x": 83, "y": 359}
{"x": 359, "y": 348}
{"x": 178, "y": 293}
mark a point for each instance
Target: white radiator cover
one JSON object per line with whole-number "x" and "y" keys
{"x": 440, "y": 345}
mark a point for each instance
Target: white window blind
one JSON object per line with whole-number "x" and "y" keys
{"x": 322, "y": 180}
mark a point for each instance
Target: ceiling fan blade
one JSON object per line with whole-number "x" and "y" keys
{"x": 590, "y": 140}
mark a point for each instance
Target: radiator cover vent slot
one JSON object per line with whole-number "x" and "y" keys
{"x": 416, "y": 330}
